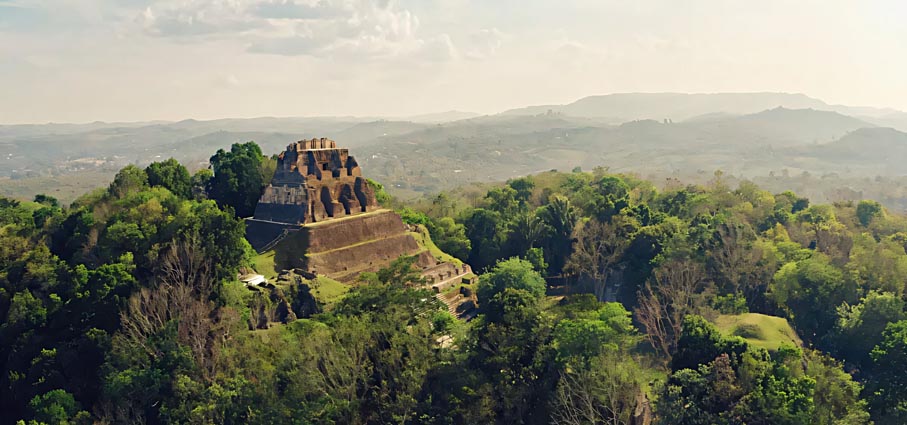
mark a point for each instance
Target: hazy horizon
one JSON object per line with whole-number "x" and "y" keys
{"x": 136, "y": 60}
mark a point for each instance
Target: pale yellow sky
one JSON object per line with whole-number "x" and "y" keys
{"x": 129, "y": 60}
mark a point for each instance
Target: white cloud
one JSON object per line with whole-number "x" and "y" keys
{"x": 484, "y": 43}
{"x": 319, "y": 28}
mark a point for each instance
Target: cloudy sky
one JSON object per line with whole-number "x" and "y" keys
{"x": 127, "y": 60}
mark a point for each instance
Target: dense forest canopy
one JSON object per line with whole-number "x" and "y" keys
{"x": 601, "y": 300}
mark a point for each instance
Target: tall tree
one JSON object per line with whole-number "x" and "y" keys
{"x": 238, "y": 181}
{"x": 598, "y": 248}
{"x": 666, "y": 299}
{"x": 171, "y": 175}
{"x": 561, "y": 217}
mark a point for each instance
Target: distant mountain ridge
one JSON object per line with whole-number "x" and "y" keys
{"x": 681, "y": 106}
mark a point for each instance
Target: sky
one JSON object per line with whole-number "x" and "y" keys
{"x": 138, "y": 60}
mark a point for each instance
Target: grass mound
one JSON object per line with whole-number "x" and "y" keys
{"x": 328, "y": 291}
{"x": 760, "y": 330}
{"x": 264, "y": 265}
{"x": 423, "y": 238}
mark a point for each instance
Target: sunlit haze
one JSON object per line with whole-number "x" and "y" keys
{"x": 130, "y": 60}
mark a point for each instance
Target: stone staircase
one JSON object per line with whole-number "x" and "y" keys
{"x": 453, "y": 301}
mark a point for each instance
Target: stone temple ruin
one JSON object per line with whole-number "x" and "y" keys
{"x": 315, "y": 181}
{"x": 320, "y": 217}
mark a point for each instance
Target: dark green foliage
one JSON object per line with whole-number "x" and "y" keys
{"x": 450, "y": 237}
{"x": 868, "y": 210}
{"x": 484, "y": 228}
{"x": 700, "y": 343}
{"x": 239, "y": 178}
{"x": 807, "y": 288}
{"x": 861, "y": 326}
{"x": 171, "y": 175}
{"x": 125, "y": 308}
{"x": 560, "y": 217}
{"x": 129, "y": 180}
{"x": 887, "y": 389}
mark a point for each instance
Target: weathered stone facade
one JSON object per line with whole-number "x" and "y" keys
{"x": 315, "y": 181}
{"x": 320, "y": 217}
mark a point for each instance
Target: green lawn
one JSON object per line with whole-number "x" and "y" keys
{"x": 264, "y": 265}
{"x": 763, "y": 331}
{"x": 328, "y": 291}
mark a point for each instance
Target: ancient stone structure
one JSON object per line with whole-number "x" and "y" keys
{"x": 314, "y": 181}
{"x": 320, "y": 217}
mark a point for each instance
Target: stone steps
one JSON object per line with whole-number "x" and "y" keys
{"x": 450, "y": 303}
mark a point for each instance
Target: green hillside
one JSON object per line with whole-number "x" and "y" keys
{"x": 760, "y": 330}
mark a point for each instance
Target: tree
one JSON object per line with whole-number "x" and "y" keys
{"x": 514, "y": 273}
{"x": 509, "y": 349}
{"x": 199, "y": 183}
{"x": 485, "y": 229}
{"x": 523, "y": 187}
{"x": 887, "y": 386}
{"x": 450, "y": 237}
{"x": 172, "y": 175}
{"x": 836, "y": 395}
{"x": 666, "y": 299}
{"x": 128, "y": 180}
{"x": 560, "y": 217}
{"x": 867, "y": 211}
{"x": 861, "y": 326}
{"x": 238, "y": 180}
{"x": 599, "y": 246}
{"x": 612, "y": 197}
{"x": 609, "y": 391}
{"x": 57, "y": 407}
{"x": 732, "y": 255}
{"x": 503, "y": 200}
{"x": 806, "y": 290}
{"x": 700, "y": 342}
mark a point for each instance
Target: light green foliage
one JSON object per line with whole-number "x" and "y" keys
{"x": 25, "y": 311}
{"x": 380, "y": 193}
{"x": 536, "y": 256}
{"x": 878, "y": 265}
{"x": 410, "y": 216}
{"x": 503, "y": 200}
{"x": 608, "y": 329}
{"x": 730, "y": 304}
{"x": 759, "y": 330}
{"x": 836, "y": 395}
{"x": 57, "y": 407}
{"x": 514, "y": 274}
